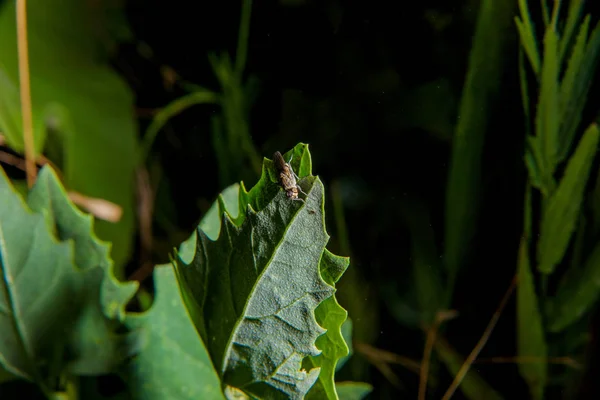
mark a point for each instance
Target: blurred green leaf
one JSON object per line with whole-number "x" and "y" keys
{"x": 268, "y": 289}
{"x": 38, "y": 307}
{"x": 94, "y": 345}
{"x": 231, "y": 131}
{"x": 530, "y": 330}
{"x": 353, "y": 390}
{"x": 524, "y": 91}
{"x": 547, "y": 115}
{"x": 426, "y": 269}
{"x": 173, "y": 362}
{"x": 74, "y": 91}
{"x": 562, "y": 211}
{"x": 568, "y": 84}
{"x": 527, "y": 35}
{"x": 493, "y": 35}
{"x": 572, "y": 22}
{"x": 576, "y": 84}
{"x": 577, "y": 294}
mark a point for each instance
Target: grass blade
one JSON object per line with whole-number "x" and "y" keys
{"x": 547, "y": 122}
{"x": 486, "y": 63}
{"x": 577, "y": 295}
{"x": 573, "y": 15}
{"x": 563, "y": 208}
{"x": 527, "y": 35}
{"x": 575, "y": 87}
{"x": 530, "y": 331}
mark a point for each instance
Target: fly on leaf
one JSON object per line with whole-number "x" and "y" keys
{"x": 286, "y": 177}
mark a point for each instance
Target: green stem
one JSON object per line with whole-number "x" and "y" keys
{"x": 242, "y": 45}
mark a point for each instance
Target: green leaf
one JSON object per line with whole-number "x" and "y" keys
{"x": 75, "y": 92}
{"x": 547, "y": 121}
{"x": 577, "y": 294}
{"x": 256, "y": 310}
{"x": 527, "y": 35}
{"x": 330, "y": 315}
{"x": 426, "y": 269}
{"x": 95, "y": 347}
{"x": 576, "y": 84}
{"x": 492, "y": 38}
{"x": 524, "y": 92}
{"x": 353, "y": 390}
{"x": 347, "y": 335}
{"x": 173, "y": 362}
{"x": 40, "y": 291}
{"x": 530, "y": 330}
{"x": 573, "y": 16}
{"x": 562, "y": 212}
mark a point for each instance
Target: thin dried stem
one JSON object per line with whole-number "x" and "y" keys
{"x": 440, "y": 317}
{"x": 481, "y": 343}
{"x": 25, "y": 92}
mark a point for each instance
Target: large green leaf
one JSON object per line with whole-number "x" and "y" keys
{"x": 562, "y": 212}
{"x": 173, "y": 362}
{"x": 530, "y": 330}
{"x": 253, "y": 292}
{"x": 74, "y": 92}
{"x": 331, "y": 316}
{"x": 94, "y": 345}
{"x": 40, "y": 291}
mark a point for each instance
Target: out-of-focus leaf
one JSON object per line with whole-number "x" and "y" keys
{"x": 431, "y": 107}
{"x": 95, "y": 346}
{"x": 426, "y": 268}
{"x": 173, "y": 362}
{"x": 493, "y": 34}
{"x": 40, "y": 289}
{"x": 576, "y": 296}
{"x": 530, "y": 330}
{"x": 75, "y": 92}
{"x": 547, "y": 116}
{"x": 524, "y": 91}
{"x": 576, "y": 85}
{"x": 562, "y": 211}
{"x": 353, "y": 390}
{"x": 572, "y": 22}
{"x": 527, "y": 35}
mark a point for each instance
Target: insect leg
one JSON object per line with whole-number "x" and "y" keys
{"x": 300, "y": 190}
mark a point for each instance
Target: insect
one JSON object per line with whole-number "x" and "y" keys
{"x": 287, "y": 178}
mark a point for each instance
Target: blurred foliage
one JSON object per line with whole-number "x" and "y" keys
{"x": 457, "y": 141}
